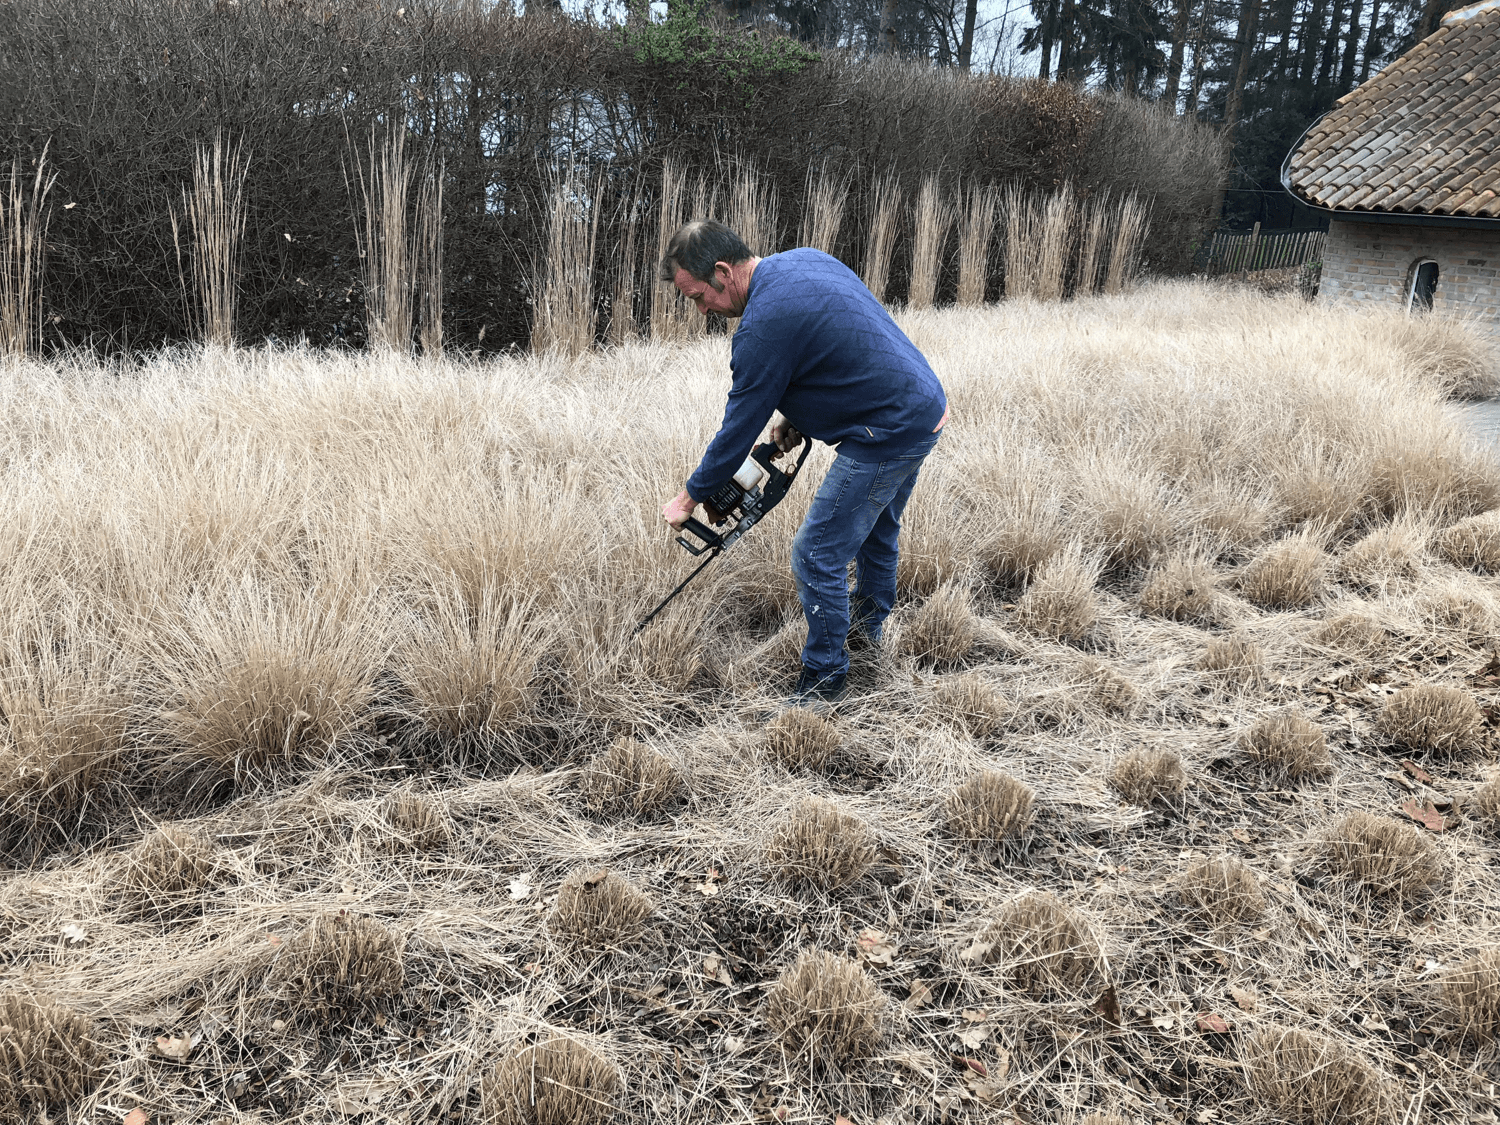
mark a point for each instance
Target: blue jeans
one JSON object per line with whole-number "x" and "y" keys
{"x": 855, "y": 517}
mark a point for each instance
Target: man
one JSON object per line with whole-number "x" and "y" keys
{"x": 816, "y": 345}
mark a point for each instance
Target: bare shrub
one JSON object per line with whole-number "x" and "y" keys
{"x": 932, "y": 218}
{"x": 1061, "y": 602}
{"x": 800, "y": 739}
{"x": 1355, "y": 633}
{"x": 48, "y": 1057}
{"x": 1181, "y": 589}
{"x": 1473, "y": 543}
{"x": 598, "y": 910}
{"x": 1385, "y": 855}
{"x": 630, "y": 778}
{"x": 1222, "y": 889}
{"x": 821, "y": 846}
{"x": 827, "y": 1009}
{"x": 1288, "y": 745}
{"x": 167, "y": 869}
{"x": 1472, "y": 992}
{"x": 1432, "y": 717}
{"x": 1235, "y": 659}
{"x": 340, "y": 969}
{"x": 943, "y": 631}
{"x": 884, "y": 204}
{"x": 1285, "y": 575}
{"x": 1310, "y": 1079}
{"x": 559, "y": 1081}
{"x": 1041, "y": 946}
{"x": 972, "y": 703}
{"x": 1144, "y": 777}
{"x": 990, "y": 807}
{"x": 415, "y": 820}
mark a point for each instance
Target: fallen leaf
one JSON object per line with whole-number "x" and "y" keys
{"x": 707, "y": 890}
{"x": 840, "y": 1119}
{"x": 733, "y": 1044}
{"x": 273, "y": 940}
{"x": 876, "y": 947}
{"x": 1212, "y": 1021}
{"x": 137, "y": 1116}
{"x": 976, "y": 952}
{"x": 74, "y": 933}
{"x": 1108, "y": 1005}
{"x": 1246, "y": 1000}
{"x": 972, "y": 1037}
{"x": 594, "y": 878}
{"x": 1398, "y": 779}
{"x": 519, "y": 889}
{"x": 174, "y": 1048}
{"x": 1416, "y": 771}
{"x": 1241, "y": 835}
{"x": 1165, "y": 1023}
{"x": 1424, "y": 814}
{"x": 921, "y": 992}
{"x": 973, "y": 1015}
{"x": 713, "y": 968}
{"x": 779, "y": 1113}
{"x": 972, "y": 1065}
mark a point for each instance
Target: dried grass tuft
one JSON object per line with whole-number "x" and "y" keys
{"x": 800, "y": 739}
{"x": 630, "y": 778}
{"x": 167, "y": 870}
{"x": 1222, "y": 890}
{"x": 827, "y": 1009}
{"x": 1021, "y": 544}
{"x": 1288, "y": 746}
{"x": 1181, "y": 589}
{"x": 1235, "y": 659}
{"x": 598, "y": 910}
{"x": 926, "y": 562}
{"x": 943, "y": 631}
{"x": 415, "y": 820}
{"x": 556, "y": 1082}
{"x": 1485, "y": 804}
{"x": 1473, "y": 543}
{"x": 821, "y": 846}
{"x": 1285, "y": 575}
{"x": 1386, "y": 557}
{"x": 1432, "y": 717}
{"x": 340, "y": 969}
{"x": 973, "y": 704}
{"x": 1470, "y": 613}
{"x": 1144, "y": 777}
{"x": 1310, "y": 1079}
{"x": 47, "y": 1056}
{"x": 1061, "y": 602}
{"x": 1041, "y": 945}
{"x": 1389, "y": 857}
{"x": 990, "y": 807}
{"x": 1354, "y": 633}
{"x": 1472, "y": 990}
{"x": 1109, "y": 689}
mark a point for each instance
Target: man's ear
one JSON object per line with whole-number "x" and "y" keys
{"x": 722, "y": 273}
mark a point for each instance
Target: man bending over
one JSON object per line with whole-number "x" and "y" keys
{"x": 816, "y": 345}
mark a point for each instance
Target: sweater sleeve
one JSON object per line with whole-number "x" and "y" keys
{"x": 758, "y": 384}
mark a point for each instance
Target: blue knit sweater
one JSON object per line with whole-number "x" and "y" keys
{"x": 815, "y": 344}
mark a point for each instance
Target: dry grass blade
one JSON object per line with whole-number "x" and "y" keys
{"x": 671, "y": 315}
{"x": 215, "y": 211}
{"x": 978, "y": 228}
{"x": 1485, "y": 804}
{"x": 623, "y": 325}
{"x": 1222, "y": 890}
{"x": 1107, "y": 687}
{"x": 753, "y": 210}
{"x": 827, "y": 1009}
{"x": 932, "y": 219}
{"x": 944, "y": 630}
{"x": 48, "y": 1058}
{"x": 1023, "y": 229}
{"x": 1094, "y": 242}
{"x": 1042, "y": 946}
{"x": 1310, "y": 1079}
{"x": 563, "y": 317}
{"x": 1144, "y": 777}
{"x": 1385, "y": 855}
{"x": 556, "y": 1082}
{"x": 598, "y": 910}
{"x": 384, "y": 245}
{"x": 630, "y": 778}
{"x": 799, "y": 739}
{"x": 990, "y": 807}
{"x": 821, "y": 846}
{"x": 884, "y": 204}
{"x": 1473, "y": 543}
{"x": 1132, "y": 222}
{"x": 1388, "y": 558}
{"x": 1355, "y": 633}
{"x": 973, "y": 704}
{"x": 1432, "y": 717}
{"x": 1182, "y": 588}
{"x": 1061, "y": 601}
{"x": 1288, "y": 745}
{"x": 23, "y": 239}
{"x": 823, "y": 211}
{"x": 167, "y": 870}
{"x": 1472, "y": 993}
{"x": 341, "y": 969}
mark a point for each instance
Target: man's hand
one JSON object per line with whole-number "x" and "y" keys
{"x": 677, "y": 510}
{"x": 785, "y": 437}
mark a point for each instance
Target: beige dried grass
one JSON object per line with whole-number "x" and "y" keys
{"x": 976, "y": 230}
{"x": 1234, "y": 659}
{"x": 1472, "y": 992}
{"x": 1093, "y": 244}
{"x": 1285, "y": 575}
{"x": 1131, "y": 225}
{"x": 562, "y": 316}
{"x": 1311, "y": 1079}
{"x": 884, "y": 205}
{"x": 1061, "y": 601}
{"x": 1109, "y": 689}
{"x": 630, "y": 778}
{"x": 973, "y": 704}
{"x": 1222, "y": 889}
{"x": 23, "y": 241}
{"x": 1146, "y": 776}
{"x": 341, "y": 969}
{"x": 559, "y": 1081}
{"x": 1182, "y": 589}
{"x": 383, "y": 241}
{"x": 819, "y": 845}
{"x": 1288, "y": 745}
{"x": 1353, "y": 632}
{"x": 427, "y": 258}
{"x": 167, "y": 870}
{"x": 1484, "y": 806}
{"x": 1054, "y": 231}
{"x": 826, "y": 1009}
{"x": 48, "y": 1056}
{"x": 414, "y": 820}
{"x": 672, "y": 318}
{"x": 1042, "y": 946}
{"x": 827, "y": 194}
{"x": 215, "y": 210}
{"x": 800, "y": 739}
{"x": 599, "y": 910}
{"x": 1473, "y": 543}
{"x": 932, "y": 219}
{"x": 1385, "y": 558}
{"x": 753, "y": 209}
{"x": 1385, "y": 855}
{"x": 944, "y": 631}
{"x": 926, "y": 562}
{"x": 1473, "y": 614}
{"x": 990, "y": 807}
{"x": 1437, "y": 718}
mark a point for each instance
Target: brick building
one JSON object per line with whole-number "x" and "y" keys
{"x": 1407, "y": 166}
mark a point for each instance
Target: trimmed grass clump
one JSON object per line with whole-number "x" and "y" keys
{"x": 631, "y": 779}
{"x": 414, "y": 820}
{"x": 1144, "y": 777}
{"x": 1472, "y": 991}
{"x": 1473, "y": 544}
{"x": 1310, "y": 1079}
{"x": 1485, "y": 804}
{"x": 1287, "y": 745}
{"x": 1285, "y": 575}
{"x": 1234, "y": 659}
{"x": 827, "y": 1009}
{"x": 1355, "y": 633}
{"x": 990, "y": 807}
{"x": 1109, "y": 689}
{"x": 598, "y": 910}
{"x": 1061, "y": 602}
{"x": 556, "y": 1082}
{"x": 1222, "y": 889}
{"x": 800, "y": 739}
{"x": 1432, "y": 717}
{"x": 973, "y": 704}
{"x": 1388, "y": 556}
{"x": 48, "y": 1058}
{"x": 1470, "y": 613}
{"x": 1388, "y": 857}
{"x": 341, "y": 969}
{"x": 1181, "y": 589}
{"x": 167, "y": 871}
{"x": 943, "y": 631}
{"x": 1041, "y": 946}
{"x": 819, "y": 845}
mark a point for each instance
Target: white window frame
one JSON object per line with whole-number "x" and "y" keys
{"x": 1416, "y": 272}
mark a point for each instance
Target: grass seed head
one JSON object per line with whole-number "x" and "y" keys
{"x": 1222, "y": 890}
{"x": 415, "y": 820}
{"x": 820, "y": 845}
{"x": 1182, "y": 589}
{"x": 1235, "y": 659}
{"x": 341, "y": 968}
{"x": 800, "y": 739}
{"x": 1061, "y": 601}
{"x": 1472, "y": 991}
{"x": 990, "y": 807}
{"x": 971, "y": 703}
{"x": 827, "y": 1009}
{"x": 1432, "y": 717}
{"x": 598, "y": 910}
{"x": 1144, "y": 777}
{"x": 167, "y": 870}
{"x": 1389, "y": 857}
{"x": 630, "y": 778}
{"x": 556, "y": 1082}
{"x": 1310, "y": 1079}
{"x": 1285, "y": 575}
{"x": 1473, "y": 543}
{"x": 47, "y": 1056}
{"x": 943, "y": 631}
{"x": 1040, "y": 946}
{"x": 1288, "y": 745}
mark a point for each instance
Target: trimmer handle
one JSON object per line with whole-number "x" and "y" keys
{"x": 705, "y": 535}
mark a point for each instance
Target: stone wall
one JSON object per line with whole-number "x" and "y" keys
{"x": 1373, "y": 262}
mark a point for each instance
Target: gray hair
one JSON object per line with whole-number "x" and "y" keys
{"x": 696, "y": 248}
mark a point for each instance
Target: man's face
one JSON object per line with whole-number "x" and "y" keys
{"x": 724, "y": 300}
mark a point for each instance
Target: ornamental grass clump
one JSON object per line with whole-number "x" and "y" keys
{"x": 1041, "y": 946}
{"x": 1310, "y": 1079}
{"x": 629, "y": 778}
{"x": 1222, "y": 889}
{"x": 821, "y": 846}
{"x": 1061, "y": 602}
{"x": 974, "y": 705}
{"x": 167, "y": 871}
{"x": 1388, "y": 556}
{"x": 826, "y": 1009}
{"x": 1432, "y": 717}
{"x": 1472, "y": 993}
{"x": 1384, "y": 855}
{"x": 1287, "y": 745}
{"x": 990, "y": 807}
{"x": 558, "y": 1081}
{"x": 943, "y": 631}
{"x": 1355, "y": 633}
{"x": 1144, "y": 777}
{"x": 1110, "y": 690}
{"x": 1484, "y": 806}
{"x": 1234, "y": 660}
{"x": 1181, "y": 589}
{"x": 598, "y": 910}
{"x": 48, "y": 1057}
{"x": 1285, "y": 575}
{"x": 414, "y": 820}
{"x": 1473, "y": 543}
{"x": 341, "y": 969}
{"x": 800, "y": 739}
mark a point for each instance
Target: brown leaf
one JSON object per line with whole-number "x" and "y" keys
{"x": 713, "y": 968}
{"x": 876, "y": 947}
{"x": 973, "y": 1065}
{"x": 1242, "y": 836}
{"x": 972, "y": 1037}
{"x": 137, "y": 1116}
{"x": 1212, "y": 1021}
{"x": 594, "y": 878}
{"x": 1416, "y": 771}
{"x": 921, "y": 992}
{"x": 779, "y": 1113}
{"x": 1108, "y": 1006}
{"x": 1424, "y": 814}
{"x": 174, "y": 1048}
{"x": 840, "y": 1119}
{"x": 1246, "y": 1000}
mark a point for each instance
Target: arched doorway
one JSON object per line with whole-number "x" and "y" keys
{"x": 1422, "y": 286}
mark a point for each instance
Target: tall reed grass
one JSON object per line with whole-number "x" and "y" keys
{"x": 974, "y": 242}
{"x": 932, "y": 218}
{"x": 753, "y": 209}
{"x": 623, "y": 325}
{"x": 672, "y": 318}
{"x": 1093, "y": 244}
{"x": 563, "y": 315}
{"x": 884, "y": 205}
{"x": 427, "y": 253}
{"x": 1131, "y": 224}
{"x": 23, "y": 237}
{"x": 825, "y": 198}
{"x": 384, "y": 248}
{"x": 215, "y": 212}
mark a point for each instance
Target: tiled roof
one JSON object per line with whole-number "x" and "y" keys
{"x": 1422, "y": 136}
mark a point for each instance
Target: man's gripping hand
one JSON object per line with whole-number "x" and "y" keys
{"x": 677, "y": 510}
{"x": 785, "y": 436}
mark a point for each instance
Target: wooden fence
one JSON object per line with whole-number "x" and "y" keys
{"x": 1248, "y": 251}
